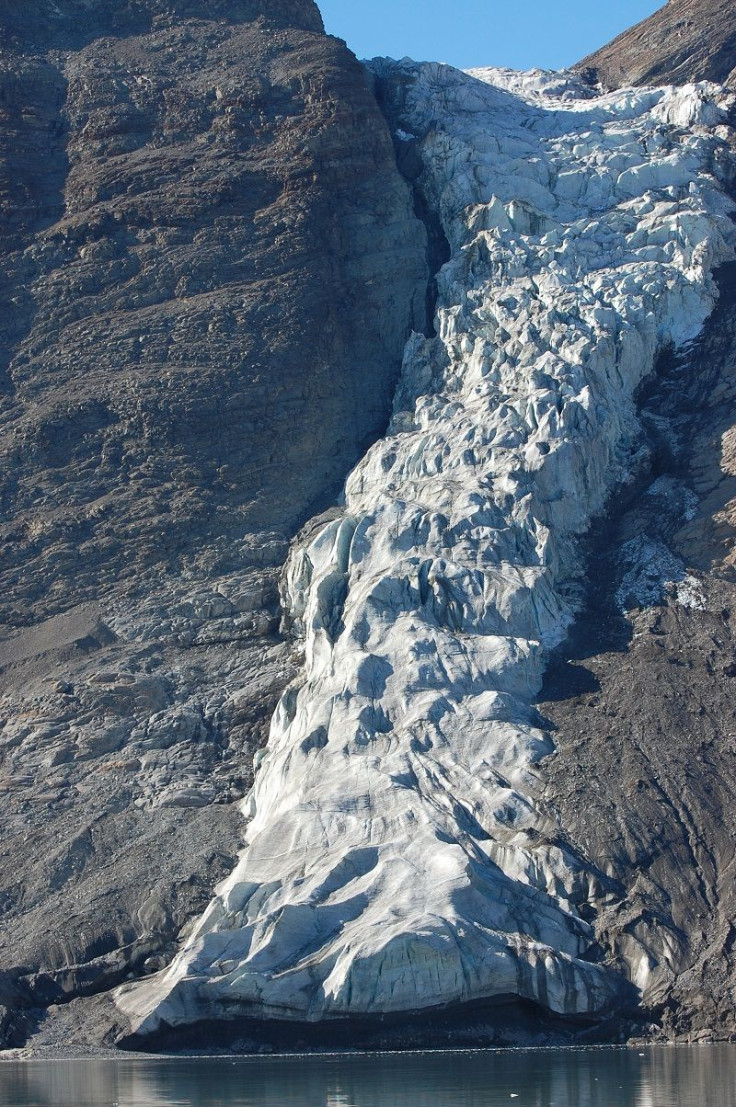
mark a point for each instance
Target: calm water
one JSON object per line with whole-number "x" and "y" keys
{"x": 688, "y": 1077}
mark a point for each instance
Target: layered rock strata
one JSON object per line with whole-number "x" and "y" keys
{"x": 400, "y": 854}
{"x": 199, "y": 202}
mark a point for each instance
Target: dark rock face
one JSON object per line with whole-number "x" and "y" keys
{"x": 642, "y": 704}
{"x": 78, "y": 22}
{"x": 199, "y": 204}
{"x": 687, "y": 40}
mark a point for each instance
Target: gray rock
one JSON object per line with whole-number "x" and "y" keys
{"x": 641, "y": 702}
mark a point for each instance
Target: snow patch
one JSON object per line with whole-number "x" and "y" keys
{"x": 652, "y": 574}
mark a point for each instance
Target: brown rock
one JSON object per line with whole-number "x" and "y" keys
{"x": 686, "y": 40}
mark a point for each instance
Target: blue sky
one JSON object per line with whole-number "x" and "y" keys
{"x": 466, "y": 33}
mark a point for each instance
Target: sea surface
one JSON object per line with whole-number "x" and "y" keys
{"x": 693, "y": 1076}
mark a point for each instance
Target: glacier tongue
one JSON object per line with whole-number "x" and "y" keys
{"x": 398, "y": 856}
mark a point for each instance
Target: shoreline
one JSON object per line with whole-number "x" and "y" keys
{"x": 72, "y": 1054}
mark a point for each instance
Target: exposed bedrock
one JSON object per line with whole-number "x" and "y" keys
{"x": 641, "y": 696}
{"x": 686, "y": 40}
{"x": 75, "y": 23}
{"x": 199, "y": 207}
{"x": 401, "y": 854}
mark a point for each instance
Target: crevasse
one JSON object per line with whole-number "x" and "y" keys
{"x": 397, "y": 855}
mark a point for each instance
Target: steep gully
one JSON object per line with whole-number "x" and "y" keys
{"x": 401, "y": 850}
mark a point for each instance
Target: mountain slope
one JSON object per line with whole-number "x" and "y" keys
{"x": 686, "y": 40}
{"x": 494, "y": 671}
{"x": 199, "y": 203}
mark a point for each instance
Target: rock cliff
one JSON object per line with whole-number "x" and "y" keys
{"x": 199, "y": 204}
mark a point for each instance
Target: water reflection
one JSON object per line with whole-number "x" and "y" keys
{"x": 687, "y": 1077}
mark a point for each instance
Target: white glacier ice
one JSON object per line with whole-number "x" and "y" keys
{"x": 398, "y": 855}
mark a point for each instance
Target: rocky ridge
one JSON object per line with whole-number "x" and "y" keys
{"x": 639, "y": 699}
{"x": 401, "y": 853}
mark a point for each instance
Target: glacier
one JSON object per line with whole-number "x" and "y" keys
{"x": 398, "y": 854}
